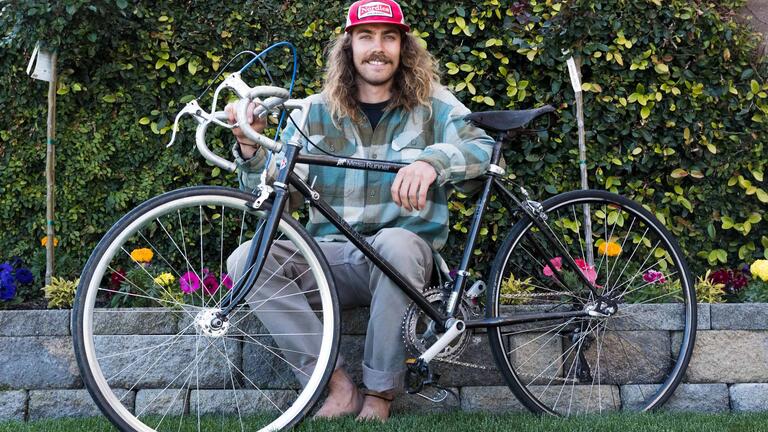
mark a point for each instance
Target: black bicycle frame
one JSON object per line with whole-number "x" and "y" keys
{"x": 286, "y": 176}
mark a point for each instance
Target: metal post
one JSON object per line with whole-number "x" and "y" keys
{"x": 575, "y": 75}
{"x": 50, "y": 167}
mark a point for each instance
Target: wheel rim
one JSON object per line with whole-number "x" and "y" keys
{"x": 595, "y": 364}
{"x": 222, "y": 386}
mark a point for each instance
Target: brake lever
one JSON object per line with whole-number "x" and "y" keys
{"x": 193, "y": 108}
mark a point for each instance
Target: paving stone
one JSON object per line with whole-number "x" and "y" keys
{"x": 667, "y": 316}
{"x": 563, "y": 399}
{"x": 154, "y": 361}
{"x": 752, "y": 397}
{"x": 687, "y": 397}
{"x": 629, "y": 357}
{"x": 45, "y": 404}
{"x": 12, "y": 405}
{"x": 247, "y": 401}
{"x": 38, "y": 363}
{"x": 495, "y": 399}
{"x": 268, "y": 367}
{"x": 34, "y": 322}
{"x": 413, "y": 403}
{"x": 171, "y": 401}
{"x": 478, "y": 352}
{"x": 741, "y": 316}
{"x": 727, "y": 356}
{"x": 136, "y": 321}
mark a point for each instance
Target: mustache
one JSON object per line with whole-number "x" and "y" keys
{"x": 378, "y": 57}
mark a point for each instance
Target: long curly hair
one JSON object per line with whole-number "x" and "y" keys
{"x": 412, "y": 86}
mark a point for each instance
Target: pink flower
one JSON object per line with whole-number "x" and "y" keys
{"x": 210, "y": 283}
{"x": 189, "y": 282}
{"x": 557, "y": 263}
{"x": 226, "y": 281}
{"x": 588, "y": 271}
{"x": 653, "y": 276}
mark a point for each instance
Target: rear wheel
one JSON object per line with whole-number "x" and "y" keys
{"x": 632, "y": 356}
{"x": 150, "y": 350}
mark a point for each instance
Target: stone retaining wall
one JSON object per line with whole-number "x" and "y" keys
{"x": 728, "y": 371}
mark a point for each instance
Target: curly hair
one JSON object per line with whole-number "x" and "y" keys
{"x": 412, "y": 85}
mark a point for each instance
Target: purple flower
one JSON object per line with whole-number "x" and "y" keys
{"x": 7, "y": 285}
{"x": 189, "y": 282}
{"x": 226, "y": 281}
{"x": 210, "y": 283}
{"x": 6, "y": 267}
{"x": 24, "y": 276}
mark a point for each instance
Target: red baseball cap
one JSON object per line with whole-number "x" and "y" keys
{"x": 376, "y": 12}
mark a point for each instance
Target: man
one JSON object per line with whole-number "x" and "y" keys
{"x": 381, "y": 100}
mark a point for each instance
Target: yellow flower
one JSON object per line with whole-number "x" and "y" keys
{"x": 44, "y": 241}
{"x": 165, "y": 279}
{"x": 759, "y": 268}
{"x": 609, "y": 248}
{"x": 142, "y": 255}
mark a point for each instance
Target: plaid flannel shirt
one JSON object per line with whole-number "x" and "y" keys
{"x": 457, "y": 150}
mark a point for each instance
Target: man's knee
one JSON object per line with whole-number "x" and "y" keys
{"x": 403, "y": 249}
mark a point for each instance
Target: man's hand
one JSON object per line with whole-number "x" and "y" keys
{"x": 409, "y": 190}
{"x": 247, "y": 146}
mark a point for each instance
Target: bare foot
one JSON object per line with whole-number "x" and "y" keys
{"x": 376, "y": 408}
{"x": 343, "y": 397}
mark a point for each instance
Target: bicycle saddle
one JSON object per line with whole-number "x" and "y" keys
{"x": 501, "y": 121}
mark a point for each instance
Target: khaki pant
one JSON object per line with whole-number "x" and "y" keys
{"x": 358, "y": 283}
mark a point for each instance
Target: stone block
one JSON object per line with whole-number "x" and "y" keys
{"x": 752, "y": 397}
{"x": 477, "y": 353}
{"x": 157, "y": 361}
{"x": 266, "y": 366}
{"x": 666, "y": 316}
{"x": 415, "y": 404}
{"x": 567, "y": 399}
{"x": 496, "y": 399}
{"x": 171, "y": 401}
{"x": 247, "y": 401}
{"x": 741, "y": 316}
{"x": 38, "y": 363}
{"x": 628, "y": 356}
{"x": 34, "y": 322}
{"x": 46, "y": 404}
{"x": 136, "y": 321}
{"x": 687, "y": 397}
{"x": 727, "y": 356}
{"x": 13, "y": 404}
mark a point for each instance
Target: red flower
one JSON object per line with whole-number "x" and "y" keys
{"x": 116, "y": 278}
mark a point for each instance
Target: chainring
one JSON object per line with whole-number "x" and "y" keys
{"x": 418, "y": 328}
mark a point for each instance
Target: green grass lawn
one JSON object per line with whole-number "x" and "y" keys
{"x": 460, "y": 421}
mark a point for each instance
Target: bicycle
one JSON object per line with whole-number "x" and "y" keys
{"x": 574, "y": 287}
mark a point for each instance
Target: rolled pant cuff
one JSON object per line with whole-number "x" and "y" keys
{"x": 382, "y": 381}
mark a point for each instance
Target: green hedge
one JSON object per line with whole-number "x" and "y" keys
{"x": 676, "y": 105}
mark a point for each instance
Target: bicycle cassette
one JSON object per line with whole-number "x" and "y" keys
{"x": 419, "y": 330}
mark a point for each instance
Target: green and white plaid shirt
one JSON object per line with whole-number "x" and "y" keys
{"x": 457, "y": 150}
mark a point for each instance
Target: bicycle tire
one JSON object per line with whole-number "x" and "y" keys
{"x": 240, "y": 377}
{"x": 626, "y": 361}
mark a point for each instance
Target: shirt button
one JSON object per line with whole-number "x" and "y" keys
{"x": 375, "y": 155}
{"x": 332, "y": 148}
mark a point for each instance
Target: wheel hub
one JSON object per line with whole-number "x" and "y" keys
{"x": 208, "y": 323}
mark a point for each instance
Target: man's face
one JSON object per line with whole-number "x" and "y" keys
{"x": 376, "y": 52}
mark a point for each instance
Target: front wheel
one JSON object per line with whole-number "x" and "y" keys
{"x": 147, "y": 340}
{"x": 633, "y": 354}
